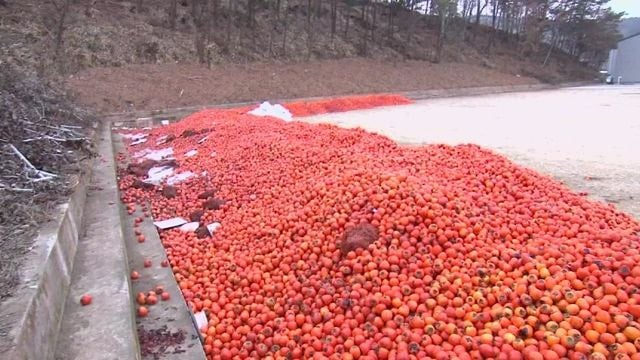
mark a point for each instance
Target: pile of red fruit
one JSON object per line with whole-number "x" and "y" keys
{"x": 308, "y": 108}
{"x": 475, "y": 257}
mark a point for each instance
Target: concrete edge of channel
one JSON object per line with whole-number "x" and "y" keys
{"x": 144, "y": 118}
{"x": 173, "y": 316}
{"x": 30, "y": 319}
{"x": 102, "y": 271}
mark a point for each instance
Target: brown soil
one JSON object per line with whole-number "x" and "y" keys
{"x": 152, "y": 87}
{"x": 358, "y": 237}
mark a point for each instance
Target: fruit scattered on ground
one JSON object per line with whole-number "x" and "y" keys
{"x": 135, "y": 275}
{"x": 86, "y": 300}
{"x": 152, "y": 299}
{"x": 315, "y": 107}
{"x": 473, "y": 257}
{"x": 143, "y": 311}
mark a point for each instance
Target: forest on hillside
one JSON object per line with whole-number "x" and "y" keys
{"x": 68, "y": 35}
{"x": 584, "y": 29}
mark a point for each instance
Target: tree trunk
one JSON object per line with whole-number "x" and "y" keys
{"x": 494, "y": 18}
{"x": 553, "y": 44}
{"x": 346, "y": 26}
{"x": 200, "y": 33}
{"x": 441, "y": 35}
{"x": 409, "y": 27}
{"x": 373, "y": 23}
{"x": 390, "y": 22}
{"x": 230, "y": 9}
{"x": 334, "y": 18}
{"x": 284, "y": 32}
{"x": 251, "y": 5}
{"x": 271, "y": 36}
{"x": 309, "y": 31}
{"x": 173, "y": 13}
{"x": 62, "y": 9}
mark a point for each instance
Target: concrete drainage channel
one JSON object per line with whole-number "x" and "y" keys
{"x": 90, "y": 248}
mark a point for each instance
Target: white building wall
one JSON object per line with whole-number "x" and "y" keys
{"x": 626, "y": 60}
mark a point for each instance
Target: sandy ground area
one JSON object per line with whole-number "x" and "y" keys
{"x": 587, "y": 137}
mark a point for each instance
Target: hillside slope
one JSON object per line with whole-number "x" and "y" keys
{"x": 154, "y": 87}
{"x": 116, "y": 34}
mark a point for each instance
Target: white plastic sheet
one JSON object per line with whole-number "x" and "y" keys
{"x": 160, "y": 154}
{"x": 134, "y": 137}
{"x": 139, "y": 141}
{"x": 169, "y": 223}
{"x": 191, "y": 153}
{"x": 213, "y": 227}
{"x": 178, "y": 178}
{"x": 200, "y": 319}
{"x": 157, "y": 174}
{"x": 162, "y": 139}
{"x": 273, "y": 110}
{"x": 190, "y": 227}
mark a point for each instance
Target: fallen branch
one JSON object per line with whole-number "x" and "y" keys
{"x": 42, "y": 174}
{"x": 47, "y": 137}
{"x": 9, "y": 188}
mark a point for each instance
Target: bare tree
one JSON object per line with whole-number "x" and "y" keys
{"x": 62, "y": 11}
{"x": 173, "y": 13}
{"x": 201, "y": 30}
{"x": 479, "y": 9}
{"x": 444, "y": 9}
{"x": 230, "y": 14}
{"x": 285, "y": 29}
{"x": 334, "y": 18}
{"x": 364, "y": 47}
{"x": 347, "y": 20}
{"x": 374, "y": 13}
{"x": 494, "y": 17}
{"x": 309, "y": 30}
{"x": 251, "y": 10}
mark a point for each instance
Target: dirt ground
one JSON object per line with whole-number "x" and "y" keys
{"x": 587, "y": 137}
{"x": 152, "y": 87}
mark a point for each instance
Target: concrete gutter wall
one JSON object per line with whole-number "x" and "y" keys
{"x": 30, "y": 319}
